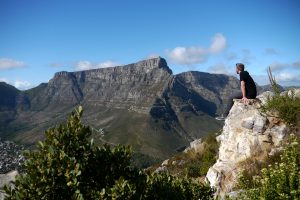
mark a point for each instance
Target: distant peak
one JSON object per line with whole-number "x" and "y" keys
{"x": 155, "y": 62}
{"x": 62, "y": 73}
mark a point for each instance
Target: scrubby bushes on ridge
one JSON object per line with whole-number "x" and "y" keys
{"x": 280, "y": 180}
{"x": 68, "y": 166}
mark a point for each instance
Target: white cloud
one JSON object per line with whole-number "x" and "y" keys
{"x": 276, "y": 66}
{"x": 218, "y": 43}
{"x": 86, "y": 65}
{"x": 83, "y": 65}
{"x": 193, "y": 55}
{"x": 270, "y": 51}
{"x": 285, "y": 76}
{"x": 261, "y": 79}
{"x": 7, "y": 63}
{"x": 3, "y": 80}
{"x": 187, "y": 55}
{"x": 22, "y": 85}
{"x": 219, "y": 69}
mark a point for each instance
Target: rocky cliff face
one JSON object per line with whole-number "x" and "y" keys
{"x": 133, "y": 85}
{"x": 246, "y": 134}
{"x": 141, "y": 104}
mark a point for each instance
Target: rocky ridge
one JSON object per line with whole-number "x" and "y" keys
{"x": 247, "y": 133}
{"x": 141, "y": 104}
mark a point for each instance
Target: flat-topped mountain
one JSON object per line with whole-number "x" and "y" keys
{"x": 141, "y": 104}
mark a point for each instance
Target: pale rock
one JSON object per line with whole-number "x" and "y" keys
{"x": 165, "y": 163}
{"x": 259, "y": 124}
{"x": 264, "y": 96}
{"x": 278, "y": 133}
{"x": 161, "y": 169}
{"x": 297, "y": 93}
{"x": 7, "y": 179}
{"x": 290, "y": 92}
{"x": 248, "y": 122}
{"x": 275, "y": 151}
{"x": 179, "y": 163}
{"x": 222, "y": 170}
{"x": 196, "y": 145}
{"x": 246, "y": 133}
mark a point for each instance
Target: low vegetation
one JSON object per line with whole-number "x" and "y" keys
{"x": 278, "y": 181}
{"x": 69, "y": 166}
{"x": 195, "y": 162}
{"x": 286, "y": 106}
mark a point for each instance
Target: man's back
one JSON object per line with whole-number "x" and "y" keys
{"x": 249, "y": 84}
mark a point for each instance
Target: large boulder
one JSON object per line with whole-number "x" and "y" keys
{"x": 246, "y": 133}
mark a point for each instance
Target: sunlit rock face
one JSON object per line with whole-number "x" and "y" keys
{"x": 246, "y": 133}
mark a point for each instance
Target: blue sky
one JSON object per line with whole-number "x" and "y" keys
{"x": 39, "y": 38}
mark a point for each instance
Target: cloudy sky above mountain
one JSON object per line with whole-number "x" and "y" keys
{"x": 39, "y": 38}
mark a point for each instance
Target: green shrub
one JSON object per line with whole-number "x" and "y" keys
{"x": 278, "y": 181}
{"x": 286, "y": 107}
{"x": 198, "y": 163}
{"x": 193, "y": 169}
{"x": 68, "y": 166}
{"x": 209, "y": 154}
{"x": 164, "y": 186}
{"x": 253, "y": 167}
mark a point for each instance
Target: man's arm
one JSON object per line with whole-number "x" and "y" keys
{"x": 243, "y": 88}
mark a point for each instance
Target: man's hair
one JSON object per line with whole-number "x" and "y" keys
{"x": 240, "y": 66}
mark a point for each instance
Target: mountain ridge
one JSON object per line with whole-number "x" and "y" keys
{"x": 142, "y": 104}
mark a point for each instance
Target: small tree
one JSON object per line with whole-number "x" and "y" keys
{"x": 68, "y": 166}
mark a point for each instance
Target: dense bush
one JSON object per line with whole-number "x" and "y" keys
{"x": 253, "y": 167}
{"x": 278, "y": 181}
{"x": 68, "y": 166}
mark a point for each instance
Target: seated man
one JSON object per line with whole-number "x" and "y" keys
{"x": 248, "y": 89}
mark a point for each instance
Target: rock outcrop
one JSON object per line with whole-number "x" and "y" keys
{"x": 133, "y": 85}
{"x": 247, "y": 133}
{"x": 11, "y": 157}
{"x": 7, "y": 179}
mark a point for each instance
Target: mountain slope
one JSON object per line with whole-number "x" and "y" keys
{"x": 142, "y": 104}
